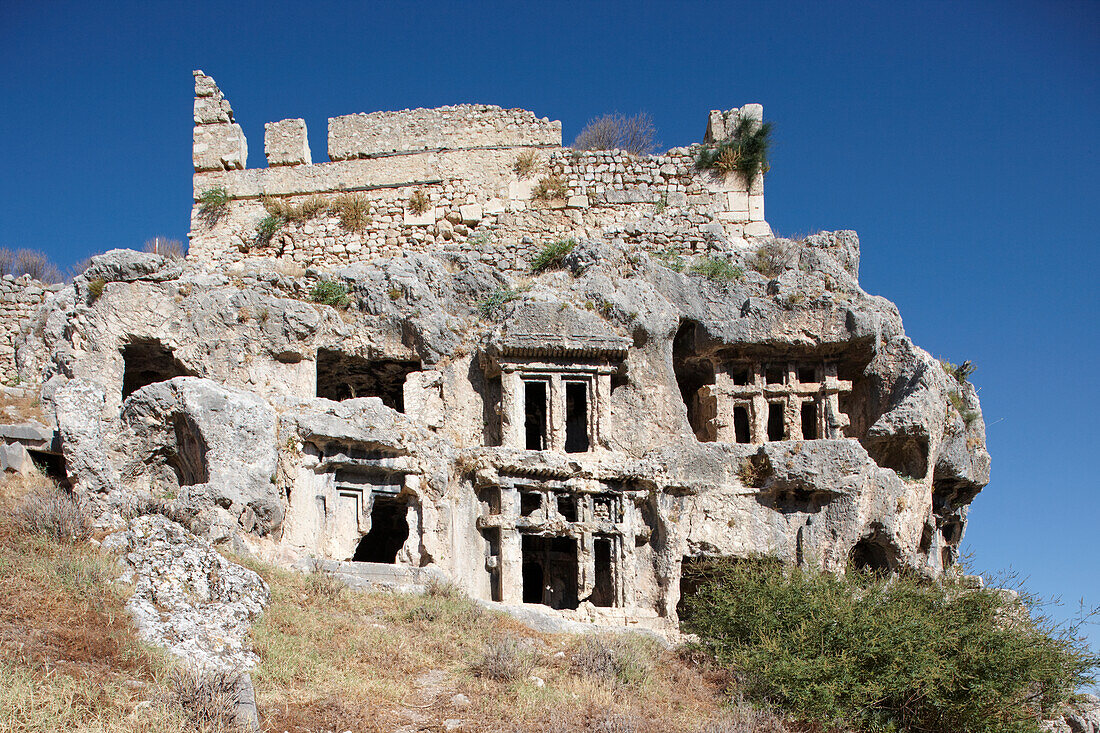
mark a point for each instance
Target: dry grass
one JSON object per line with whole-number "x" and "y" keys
{"x": 21, "y": 408}
{"x": 54, "y": 514}
{"x": 69, "y": 657}
{"x": 297, "y": 213}
{"x": 526, "y": 164}
{"x": 418, "y": 202}
{"x": 550, "y": 188}
{"x": 354, "y": 212}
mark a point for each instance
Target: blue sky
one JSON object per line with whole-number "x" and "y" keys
{"x": 959, "y": 139}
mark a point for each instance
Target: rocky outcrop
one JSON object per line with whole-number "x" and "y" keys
{"x": 187, "y": 598}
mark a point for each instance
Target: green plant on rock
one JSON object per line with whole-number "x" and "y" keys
{"x": 671, "y": 259}
{"x": 717, "y": 269}
{"x": 96, "y": 288}
{"x": 493, "y": 305}
{"x": 957, "y": 401}
{"x": 552, "y": 255}
{"x": 526, "y": 163}
{"x": 771, "y": 259}
{"x": 268, "y": 227}
{"x": 960, "y": 372}
{"x": 354, "y": 212}
{"x": 213, "y": 204}
{"x": 872, "y": 653}
{"x": 744, "y": 152}
{"x": 328, "y": 292}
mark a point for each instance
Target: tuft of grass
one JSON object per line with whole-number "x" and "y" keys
{"x": 870, "y": 653}
{"x": 621, "y": 661}
{"x": 718, "y": 270}
{"x": 772, "y": 259}
{"x": 552, "y": 255}
{"x": 354, "y": 212}
{"x": 550, "y": 188}
{"x": 526, "y": 163}
{"x": 96, "y": 288}
{"x": 323, "y": 586}
{"x": 57, "y": 515}
{"x": 661, "y": 205}
{"x": 671, "y": 259}
{"x": 960, "y": 372}
{"x": 506, "y": 660}
{"x": 213, "y": 205}
{"x": 296, "y": 213}
{"x": 329, "y": 292}
{"x": 418, "y": 202}
{"x": 208, "y": 699}
{"x": 744, "y": 152}
{"x": 493, "y": 305}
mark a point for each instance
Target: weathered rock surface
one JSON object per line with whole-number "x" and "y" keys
{"x": 187, "y": 598}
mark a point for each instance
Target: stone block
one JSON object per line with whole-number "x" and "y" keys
{"x": 286, "y": 142}
{"x": 520, "y": 190}
{"x": 420, "y": 220}
{"x": 758, "y": 229}
{"x": 738, "y": 201}
{"x": 494, "y": 206}
{"x": 219, "y": 147}
{"x": 14, "y": 458}
{"x": 756, "y": 207}
{"x": 205, "y": 85}
{"x": 577, "y": 202}
{"x": 471, "y": 213}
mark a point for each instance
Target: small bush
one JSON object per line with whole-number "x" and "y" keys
{"x": 58, "y": 515}
{"x": 173, "y": 249}
{"x": 671, "y": 259}
{"x": 213, "y": 205}
{"x": 354, "y": 212}
{"x": 208, "y": 699}
{"x": 621, "y": 661}
{"x": 494, "y": 304}
{"x": 550, "y": 188}
{"x": 635, "y": 134}
{"x": 328, "y": 292}
{"x": 438, "y": 588}
{"x": 743, "y": 717}
{"x": 717, "y": 269}
{"x": 959, "y": 403}
{"x": 772, "y": 259}
{"x": 526, "y": 163}
{"x": 297, "y": 213}
{"x": 552, "y": 255}
{"x": 506, "y": 661}
{"x": 745, "y": 151}
{"x": 418, "y": 202}
{"x": 268, "y": 226}
{"x": 96, "y": 288}
{"x": 869, "y": 653}
{"x": 960, "y": 372}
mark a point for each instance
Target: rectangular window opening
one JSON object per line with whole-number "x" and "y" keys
{"x": 603, "y": 592}
{"x": 775, "y": 374}
{"x": 809, "y": 420}
{"x": 534, "y": 414}
{"x": 741, "y": 431}
{"x": 776, "y": 429}
{"x": 567, "y": 507}
{"x": 550, "y": 571}
{"x": 576, "y": 417}
{"x": 740, "y": 375}
{"x": 807, "y": 374}
{"x": 529, "y": 502}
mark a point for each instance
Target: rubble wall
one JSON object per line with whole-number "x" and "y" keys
{"x": 464, "y": 163}
{"x": 19, "y": 298}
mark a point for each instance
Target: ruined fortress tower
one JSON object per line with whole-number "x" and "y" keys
{"x": 460, "y": 350}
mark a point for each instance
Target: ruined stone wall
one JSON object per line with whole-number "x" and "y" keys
{"x": 19, "y": 297}
{"x": 463, "y": 161}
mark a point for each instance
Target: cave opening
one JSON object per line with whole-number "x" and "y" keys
{"x": 692, "y": 372}
{"x": 148, "y": 361}
{"x": 189, "y": 457}
{"x": 741, "y": 430}
{"x": 343, "y": 376}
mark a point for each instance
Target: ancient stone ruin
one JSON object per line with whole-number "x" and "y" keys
{"x": 358, "y": 364}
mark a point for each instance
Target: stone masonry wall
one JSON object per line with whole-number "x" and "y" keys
{"x": 19, "y": 297}
{"x": 463, "y": 161}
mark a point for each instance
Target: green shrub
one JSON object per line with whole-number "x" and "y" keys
{"x": 717, "y": 269}
{"x": 268, "y": 226}
{"x": 331, "y": 293}
{"x": 868, "y": 653}
{"x": 671, "y": 259}
{"x": 961, "y": 372}
{"x": 959, "y": 403}
{"x": 745, "y": 151}
{"x": 96, "y": 288}
{"x": 213, "y": 204}
{"x": 772, "y": 259}
{"x": 551, "y": 256}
